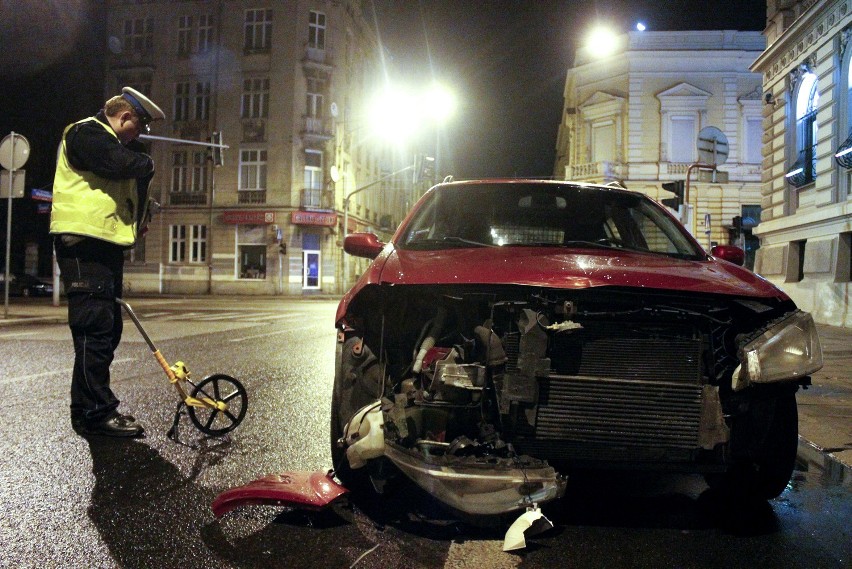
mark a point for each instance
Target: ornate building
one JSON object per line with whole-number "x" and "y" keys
{"x": 284, "y": 84}
{"x": 635, "y": 116}
{"x": 806, "y": 197}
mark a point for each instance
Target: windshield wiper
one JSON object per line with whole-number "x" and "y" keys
{"x": 448, "y": 239}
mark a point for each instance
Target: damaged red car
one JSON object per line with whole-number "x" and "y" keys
{"x": 514, "y": 331}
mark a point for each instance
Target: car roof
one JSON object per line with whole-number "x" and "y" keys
{"x": 611, "y": 187}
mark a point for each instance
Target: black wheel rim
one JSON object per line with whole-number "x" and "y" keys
{"x": 219, "y": 388}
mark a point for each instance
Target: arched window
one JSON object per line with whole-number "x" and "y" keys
{"x": 807, "y": 99}
{"x": 843, "y": 156}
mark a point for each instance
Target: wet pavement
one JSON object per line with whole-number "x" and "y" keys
{"x": 69, "y": 502}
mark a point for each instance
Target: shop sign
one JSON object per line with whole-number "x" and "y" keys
{"x": 324, "y": 219}
{"x": 248, "y": 217}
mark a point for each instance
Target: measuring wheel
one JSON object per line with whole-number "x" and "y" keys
{"x": 220, "y": 389}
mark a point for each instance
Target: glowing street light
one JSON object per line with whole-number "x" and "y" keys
{"x": 602, "y": 42}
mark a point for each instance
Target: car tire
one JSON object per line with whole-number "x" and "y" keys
{"x": 774, "y": 425}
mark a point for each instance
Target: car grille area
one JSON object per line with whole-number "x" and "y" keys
{"x": 616, "y": 398}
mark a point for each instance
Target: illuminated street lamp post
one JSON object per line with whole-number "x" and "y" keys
{"x": 396, "y": 115}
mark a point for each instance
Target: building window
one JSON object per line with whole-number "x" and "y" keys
{"x": 138, "y": 35}
{"x": 255, "y": 101}
{"x": 190, "y": 175}
{"x": 316, "y": 30}
{"x": 251, "y": 251}
{"x": 252, "y": 169}
{"x": 141, "y": 81}
{"x": 315, "y": 97}
{"x": 752, "y": 152}
{"x": 205, "y": 32}
{"x": 184, "y": 35}
{"x": 258, "y": 29}
{"x": 313, "y": 170}
{"x": 202, "y": 100}
{"x": 803, "y": 170}
{"x": 187, "y": 243}
{"x": 180, "y": 173}
{"x": 603, "y": 141}
{"x": 200, "y": 172}
{"x": 181, "y": 102}
{"x": 682, "y": 139}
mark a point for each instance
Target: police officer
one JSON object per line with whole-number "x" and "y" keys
{"x": 100, "y": 201}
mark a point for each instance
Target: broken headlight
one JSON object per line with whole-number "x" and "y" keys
{"x": 788, "y": 350}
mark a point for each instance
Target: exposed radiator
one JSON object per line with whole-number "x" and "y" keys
{"x": 617, "y": 399}
{"x": 613, "y": 419}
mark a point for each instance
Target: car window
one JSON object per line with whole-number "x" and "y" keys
{"x": 541, "y": 215}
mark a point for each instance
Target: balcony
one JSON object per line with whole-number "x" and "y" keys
{"x": 319, "y": 59}
{"x": 596, "y": 172}
{"x": 187, "y": 198}
{"x": 314, "y": 199}
{"x": 316, "y": 129}
{"x": 251, "y": 196}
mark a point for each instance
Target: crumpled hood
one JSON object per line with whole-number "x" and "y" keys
{"x": 570, "y": 269}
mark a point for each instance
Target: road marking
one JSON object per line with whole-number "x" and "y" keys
{"x": 154, "y": 314}
{"x": 265, "y": 317}
{"x": 183, "y": 316}
{"x": 219, "y": 316}
{"x": 277, "y": 332}
{"x": 17, "y": 334}
{"x": 6, "y": 380}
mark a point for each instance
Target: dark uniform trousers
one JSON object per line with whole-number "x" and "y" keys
{"x": 92, "y": 273}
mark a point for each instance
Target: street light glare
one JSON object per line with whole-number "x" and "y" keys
{"x": 393, "y": 116}
{"x": 440, "y": 103}
{"x": 601, "y": 42}
{"x": 398, "y": 113}
{"x": 640, "y": 26}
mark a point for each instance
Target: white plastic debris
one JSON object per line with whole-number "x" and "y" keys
{"x": 530, "y": 523}
{"x": 564, "y": 326}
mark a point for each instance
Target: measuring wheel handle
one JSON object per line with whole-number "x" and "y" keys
{"x": 217, "y": 404}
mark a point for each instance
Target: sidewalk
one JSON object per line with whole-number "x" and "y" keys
{"x": 825, "y": 408}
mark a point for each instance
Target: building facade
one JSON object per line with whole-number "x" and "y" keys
{"x": 635, "y": 116}
{"x": 283, "y": 84}
{"x": 806, "y": 227}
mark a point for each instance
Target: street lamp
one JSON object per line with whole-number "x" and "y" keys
{"x": 601, "y": 42}
{"x": 397, "y": 114}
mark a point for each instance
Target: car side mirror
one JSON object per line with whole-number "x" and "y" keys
{"x": 365, "y": 245}
{"x": 729, "y": 253}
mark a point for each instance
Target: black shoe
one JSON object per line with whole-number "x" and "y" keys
{"x": 116, "y": 425}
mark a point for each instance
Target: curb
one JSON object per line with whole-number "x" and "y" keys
{"x": 834, "y": 469}
{"x": 18, "y": 320}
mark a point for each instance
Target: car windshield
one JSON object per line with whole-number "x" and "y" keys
{"x": 544, "y": 215}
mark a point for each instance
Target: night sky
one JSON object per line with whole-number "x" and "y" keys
{"x": 507, "y": 59}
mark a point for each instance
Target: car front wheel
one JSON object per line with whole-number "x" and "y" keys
{"x": 773, "y": 425}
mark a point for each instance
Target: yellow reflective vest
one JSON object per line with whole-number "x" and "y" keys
{"x": 89, "y": 205}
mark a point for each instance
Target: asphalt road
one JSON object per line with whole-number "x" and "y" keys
{"x": 68, "y": 502}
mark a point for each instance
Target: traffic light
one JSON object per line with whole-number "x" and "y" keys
{"x": 677, "y": 188}
{"x": 216, "y": 151}
{"x": 424, "y": 168}
{"x": 737, "y": 224}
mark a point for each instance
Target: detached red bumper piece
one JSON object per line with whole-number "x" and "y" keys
{"x": 307, "y": 490}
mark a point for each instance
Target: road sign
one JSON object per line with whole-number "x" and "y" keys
{"x": 40, "y": 195}
{"x": 14, "y": 151}
{"x": 17, "y": 183}
{"x": 712, "y": 146}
